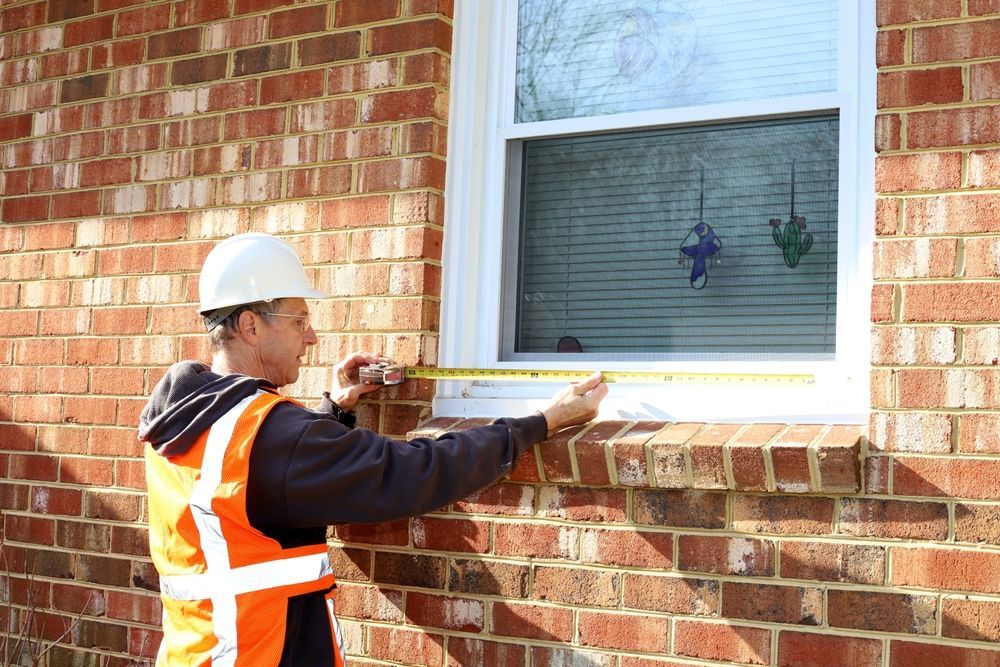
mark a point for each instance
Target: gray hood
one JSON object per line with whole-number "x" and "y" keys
{"x": 187, "y": 401}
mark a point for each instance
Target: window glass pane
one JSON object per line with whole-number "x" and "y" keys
{"x": 679, "y": 242}
{"x": 598, "y": 57}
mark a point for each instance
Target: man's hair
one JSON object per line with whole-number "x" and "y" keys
{"x": 229, "y": 327}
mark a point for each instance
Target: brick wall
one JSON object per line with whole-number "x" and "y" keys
{"x": 135, "y": 135}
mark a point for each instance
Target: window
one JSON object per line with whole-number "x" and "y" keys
{"x": 676, "y": 185}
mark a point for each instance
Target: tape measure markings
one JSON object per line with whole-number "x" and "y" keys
{"x": 634, "y": 377}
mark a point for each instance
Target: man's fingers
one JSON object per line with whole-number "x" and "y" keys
{"x": 583, "y": 386}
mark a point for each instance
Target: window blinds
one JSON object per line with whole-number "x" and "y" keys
{"x": 597, "y": 247}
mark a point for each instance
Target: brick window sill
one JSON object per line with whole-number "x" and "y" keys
{"x": 811, "y": 458}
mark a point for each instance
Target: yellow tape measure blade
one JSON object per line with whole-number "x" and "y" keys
{"x": 630, "y": 377}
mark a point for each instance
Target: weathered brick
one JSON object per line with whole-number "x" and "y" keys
{"x": 577, "y": 586}
{"x": 791, "y": 515}
{"x": 866, "y": 517}
{"x": 772, "y": 604}
{"x": 977, "y": 523}
{"x": 885, "y": 612}
{"x": 726, "y": 555}
{"x": 982, "y": 257}
{"x": 964, "y": 618}
{"x": 954, "y": 127}
{"x": 823, "y": 561}
{"x": 693, "y": 509}
{"x": 626, "y": 547}
{"x": 482, "y": 577}
{"x": 330, "y": 48}
{"x": 448, "y": 613}
{"x": 956, "y": 41}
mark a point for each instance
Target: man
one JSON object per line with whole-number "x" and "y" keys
{"x": 243, "y": 482}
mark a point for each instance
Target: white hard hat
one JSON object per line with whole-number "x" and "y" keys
{"x": 250, "y": 267}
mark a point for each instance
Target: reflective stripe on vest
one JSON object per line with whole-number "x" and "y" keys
{"x": 220, "y": 582}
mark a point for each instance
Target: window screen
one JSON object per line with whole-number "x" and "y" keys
{"x": 714, "y": 240}
{"x": 597, "y": 57}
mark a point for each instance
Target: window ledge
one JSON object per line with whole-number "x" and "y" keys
{"x": 779, "y": 458}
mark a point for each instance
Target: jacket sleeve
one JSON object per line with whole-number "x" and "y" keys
{"x": 307, "y": 469}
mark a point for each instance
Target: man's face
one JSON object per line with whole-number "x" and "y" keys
{"x": 285, "y": 337}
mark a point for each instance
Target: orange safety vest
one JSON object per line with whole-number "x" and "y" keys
{"x": 224, "y": 584}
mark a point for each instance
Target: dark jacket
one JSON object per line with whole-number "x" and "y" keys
{"x": 308, "y": 471}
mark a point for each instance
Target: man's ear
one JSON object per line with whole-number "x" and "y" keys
{"x": 247, "y": 326}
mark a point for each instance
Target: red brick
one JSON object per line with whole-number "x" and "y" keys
{"x": 89, "y": 410}
{"x": 31, "y": 529}
{"x": 979, "y": 434}
{"x": 421, "y": 648}
{"x": 297, "y": 21}
{"x": 451, "y": 534}
{"x": 323, "y": 116}
{"x": 410, "y": 36}
{"x": 577, "y": 586}
{"x": 330, "y": 48}
{"x": 319, "y": 181}
{"x": 977, "y": 523}
{"x": 911, "y": 432}
{"x": 401, "y": 174}
{"x": 954, "y": 127}
{"x": 627, "y": 547}
{"x": 288, "y": 87}
{"x": 356, "y": 12}
{"x": 407, "y": 104}
{"x": 800, "y": 649}
{"x": 953, "y": 214}
{"x": 921, "y": 171}
{"x": 15, "y": 127}
{"x": 729, "y": 643}
{"x": 977, "y": 620}
{"x": 934, "y": 654}
{"x": 946, "y": 569}
{"x": 981, "y": 7}
{"x": 982, "y": 257}
{"x": 915, "y": 258}
{"x": 173, "y": 43}
{"x": 624, "y": 631}
{"x": 188, "y": 12}
{"x": 247, "y": 124}
{"x": 41, "y": 467}
{"x": 590, "y": 452}
{"x": 629, "y": 453}
{"x": 791, "y": 515}
{"x": 366, "y": 76}
{"x": 867, "y": 517}
{"x": 884, "y": 612}
{"x": 23, "y": 209}
{"x": 582, "y": 504}
{"x": 143, "y": 20}
{"x": 951, "y": 302}
{"x": 132, "y": 607}
{"x": 449, "y": 613}
{"x": 772, "y": 604}
{"x": 960, "y": 478}
{"x": 693, "y": 509}
{"x": 956, "y": 41}
{"x": 890, "y": 47}
{"x": 512, "y": 619}
{"x": 536, "y": 541}
{"x": 24, "y": 16}
{"x": 909, "y": 88}
{"x": 87, "y": 31}
{"x": 749, "y": 472}
{"x": 468, "y": 651}
{"x": 984, "y": 81}
{"x": 726, "y": 555}
{"x": 822, "y": 561}
{"x": 672, "y": 595}
{"x": 908, "y": 11}
{"x": 481, "y": 577}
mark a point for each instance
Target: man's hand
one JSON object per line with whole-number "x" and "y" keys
{"x": 575, "y": 404}
{"x": 347, "y": 387}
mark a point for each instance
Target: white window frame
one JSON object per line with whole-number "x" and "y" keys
{"x": 482, "y": 123}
